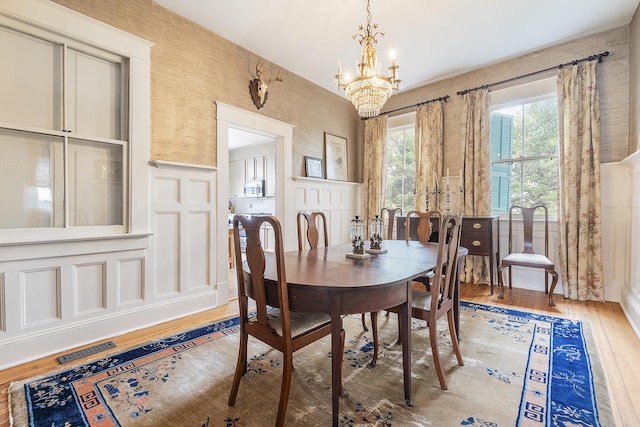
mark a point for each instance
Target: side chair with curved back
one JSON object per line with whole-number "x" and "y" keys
{"x": 529, "y": 258}
{"x": 424, "y": 231}
{"x": 391, "y": 220}
{"x": 313, "y": 234}
{"x": 280, "y": 328}
{"x": 439, "y": 301}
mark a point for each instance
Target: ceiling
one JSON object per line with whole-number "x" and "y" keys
{"x": 432, "y": 40}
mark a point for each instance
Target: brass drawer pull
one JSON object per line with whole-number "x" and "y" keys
{"x": 476, "y": 243}
{"x": 477, "y": 225}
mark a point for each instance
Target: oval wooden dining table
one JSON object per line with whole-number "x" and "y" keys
{"x": 324, "y": 280}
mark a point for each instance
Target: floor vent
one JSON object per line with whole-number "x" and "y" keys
{"x": 65, "y": 358}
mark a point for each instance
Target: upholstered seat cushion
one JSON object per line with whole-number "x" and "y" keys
{"x": 421, "y": 300}
{"x": 528, "y": 260}
{"x": 300, "y": 322}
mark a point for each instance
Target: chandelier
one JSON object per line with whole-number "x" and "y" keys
{"x": 369, "y": 90}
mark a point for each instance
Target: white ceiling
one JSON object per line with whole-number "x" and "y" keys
{"x": 432, "y": 39}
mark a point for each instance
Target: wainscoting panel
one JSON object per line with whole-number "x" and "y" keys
{"x": 40, "y": 297}
{"x": 198, "y": 267}
{"x": 630, "y": 300}
{"x": 130, "y": 276}
{"x": 90, "y": 290}
{"x": 340, "y": 202}
{"x": 167, "y": 260}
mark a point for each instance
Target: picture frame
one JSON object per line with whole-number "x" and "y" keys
{"x": 335, "y": 154}
{"x": 313, "y": 167}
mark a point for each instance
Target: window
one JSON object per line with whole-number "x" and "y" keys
{"x": 524, "y": 147}
{"x": 400, "y": 164}
{"x": 63, "y": 132}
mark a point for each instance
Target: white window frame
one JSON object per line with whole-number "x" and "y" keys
{"x": 43, "y": 16}
{"x": 515, "y": 95}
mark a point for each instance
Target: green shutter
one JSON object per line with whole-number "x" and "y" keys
{"x": 501, "y": 148}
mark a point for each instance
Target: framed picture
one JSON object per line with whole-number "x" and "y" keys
{"x": 335, "y": 155}
{"x": 313, "y": 166}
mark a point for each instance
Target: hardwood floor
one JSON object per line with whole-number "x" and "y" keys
{"x": 617, "y": 343}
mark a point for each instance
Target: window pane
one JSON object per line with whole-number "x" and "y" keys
{"x": 540, "y": 183}
{"x": 400, "y": 169}
{"x": 30, "y": 70}
{"x": 33, "y": 164}
{"x": 541, "y": 128}
{"x": 95, "y": 183}
{"x": 94, "y": 90}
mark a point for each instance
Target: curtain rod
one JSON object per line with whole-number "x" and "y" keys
{"x": 574, "y": 62}
{"x": 419, "y": 104}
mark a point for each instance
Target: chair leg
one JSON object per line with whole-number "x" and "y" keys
{"x": 374, "y": 328}
{"x": 241, "y": 368}
{"x": 454, "y": 337}
{"x": 546, "y": 282}
{"x": 433, "y": 337}
{"x": 501, "y": 281}
{"x": 285, "y": 388}
{"x": 364, "y": 324}
{"x": 343, "y": 392}
{"x": 554, "y": 282}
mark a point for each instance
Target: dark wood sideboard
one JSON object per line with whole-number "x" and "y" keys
{"x": 480, "y": 235}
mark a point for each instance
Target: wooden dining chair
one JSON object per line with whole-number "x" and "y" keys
{"x": 424, "y": 232}
{"x": 311, "y": 226}
{"x": 391, "y": 220}
{"x": 439, "y": 301}
{"x": 529, "y": 258}
{"x": 280, "y": 328}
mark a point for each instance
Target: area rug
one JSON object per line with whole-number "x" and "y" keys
{"x": 521, "y": 369}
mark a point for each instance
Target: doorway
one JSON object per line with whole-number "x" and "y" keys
{"x": 229, "y": 117}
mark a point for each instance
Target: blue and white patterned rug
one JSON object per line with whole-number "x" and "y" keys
{"x": 521, "y": 369}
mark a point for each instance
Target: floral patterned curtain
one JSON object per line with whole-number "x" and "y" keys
{"x": 579, "y": 244}
{"x": 476, "y": 172}
{"x": 429, "y": 153}
{"x": 375, "y": 135}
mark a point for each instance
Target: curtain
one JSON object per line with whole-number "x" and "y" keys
{"x": 476, "y": 169}
{"x": 375, "y": 135}
{"x": 429, "y": 153}
{"x": 579, "y": 245}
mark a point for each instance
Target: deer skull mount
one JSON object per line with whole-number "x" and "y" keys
{"x": 258, "y": 87}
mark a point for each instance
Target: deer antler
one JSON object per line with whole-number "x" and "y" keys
{"x": 269, "y": 78}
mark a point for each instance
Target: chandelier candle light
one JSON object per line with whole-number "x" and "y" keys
{"x": 369, "y": 90}
{"x": 357, "y": 239}
{"x": 375, "y": 236}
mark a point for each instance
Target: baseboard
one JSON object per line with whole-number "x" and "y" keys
{"x": 35, "y": 346}
{"x": 631, "y": 306}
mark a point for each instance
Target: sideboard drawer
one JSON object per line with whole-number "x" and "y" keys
{"x": 478, "y": 243}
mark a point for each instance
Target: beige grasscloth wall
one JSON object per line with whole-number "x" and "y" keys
{"x": 613, "y": 80}
{"x": 191, "y": 68}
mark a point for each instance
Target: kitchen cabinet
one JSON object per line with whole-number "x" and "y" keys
{"x": 270, "y": 174}
{"x": 236, "y": 178}
{"x": 268, "y": 238}
{"x": 254, "y": 167}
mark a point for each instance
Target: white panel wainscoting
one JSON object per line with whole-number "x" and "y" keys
{"x": 630, "y": 300}
{"x": 339, "y": 200}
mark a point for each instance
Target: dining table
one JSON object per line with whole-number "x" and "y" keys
{"x": 325, "y": 280}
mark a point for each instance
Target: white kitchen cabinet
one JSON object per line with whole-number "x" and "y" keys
{"x": 236, "y": 178}
{"x": 270, "y": 174}
{"x": 268, "y": 238}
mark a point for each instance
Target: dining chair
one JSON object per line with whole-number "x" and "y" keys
{"x": 424, "y": 232}
{"x": 391, "y": 220}
{"x": 311, "y": 226}
{"x": 528, "y": 257}
{"x": 433, "y": 304}
{"x": 280, "y": 328}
